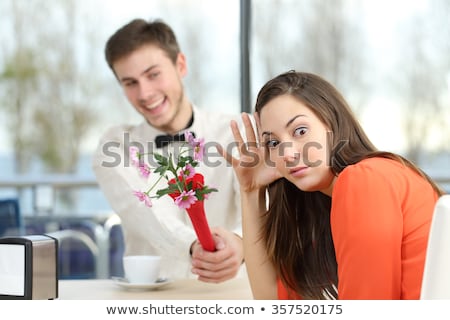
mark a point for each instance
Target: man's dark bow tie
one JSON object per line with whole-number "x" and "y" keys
{"x": 165, "y": 139}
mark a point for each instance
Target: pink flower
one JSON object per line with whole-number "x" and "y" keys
{"x": 142, "y": 196}
{"x": 189, "y": 137}
{"x": 134, "y": 156}
{"x": 197, "y": 144}
{"x": 199, "y": 150}
{"x": 145, "y": 170}
{"x": 188, "y": 171}
{"x": 185, "y": 199}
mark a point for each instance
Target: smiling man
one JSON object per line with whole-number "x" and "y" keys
{"x": 149, "y": 66}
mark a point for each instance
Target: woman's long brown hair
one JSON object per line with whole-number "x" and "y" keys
{"x": 297, "y": 230}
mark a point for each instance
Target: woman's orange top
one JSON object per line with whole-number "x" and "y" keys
{"x": 380, "y": 220}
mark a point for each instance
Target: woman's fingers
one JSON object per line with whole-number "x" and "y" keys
{"x": 249, "y": 130}
{"x": 247, "y": 148}
{"x": 243, "y": 146}
{"x": 228, "y": 157}
{"x": 239, "y": 140}
{"x": 236, "y": 132}
{"x": 258, "y": 125}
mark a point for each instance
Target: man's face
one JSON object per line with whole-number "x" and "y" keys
{"x": 153, "y": 85}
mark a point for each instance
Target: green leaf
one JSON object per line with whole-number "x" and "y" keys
{"x": 161, "y": 170}
{"x": 161, "y": 160}
{"x": 163, "y": 192}
{"x": 209, "y": 190}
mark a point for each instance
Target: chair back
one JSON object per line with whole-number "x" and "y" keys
{"x": 77, "y": 254}
{"x": 10, "y": 218}
{"x": 436, "y": 277}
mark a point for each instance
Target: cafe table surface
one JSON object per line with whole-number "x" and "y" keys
{"x": 183, "y": 289}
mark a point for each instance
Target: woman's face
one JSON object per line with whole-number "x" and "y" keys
{"x": 298, "y": 144}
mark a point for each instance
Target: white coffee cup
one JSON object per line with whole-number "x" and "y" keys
{"x": 141, "y": 269}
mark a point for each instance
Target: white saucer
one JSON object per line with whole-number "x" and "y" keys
{"x": 122, "y": 282}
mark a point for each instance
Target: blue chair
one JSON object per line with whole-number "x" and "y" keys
{"x": 116, "y": 251}
{"x": 79, "y": 250}
{"x": 11, "y": 223}
{"x": 77, "y": 254}
{"x": 116, "y": 246}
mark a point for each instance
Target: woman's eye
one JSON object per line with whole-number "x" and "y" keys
{"x": 271, "y": 143}
{"x": 300, "y": 131}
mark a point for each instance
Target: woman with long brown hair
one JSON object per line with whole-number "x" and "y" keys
{"x": 342, "y": 220}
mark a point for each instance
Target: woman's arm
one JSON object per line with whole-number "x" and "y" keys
{"x": 254, "y": 175}
{"x": 261, "y": 272}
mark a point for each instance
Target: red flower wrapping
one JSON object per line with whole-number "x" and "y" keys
{"x": 198, "y": 218}
{"x": 197, "y": 214}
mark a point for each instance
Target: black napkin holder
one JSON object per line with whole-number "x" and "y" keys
{"x": 29, "y": 268}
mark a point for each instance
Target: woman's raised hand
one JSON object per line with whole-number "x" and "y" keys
{"x": 253, "y": 170}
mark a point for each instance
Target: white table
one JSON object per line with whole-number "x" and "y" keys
{"x": 186, "y": 289}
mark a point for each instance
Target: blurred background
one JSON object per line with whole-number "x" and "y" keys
{"x": 390, "y": 59}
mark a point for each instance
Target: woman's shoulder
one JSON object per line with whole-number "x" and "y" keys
{"x": 371, "y": 169}
{"x": 374, "y": 164}
{"x": 379, "y": 172}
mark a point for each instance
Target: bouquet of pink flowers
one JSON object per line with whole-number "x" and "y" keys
{"x": 185, "y": 186}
